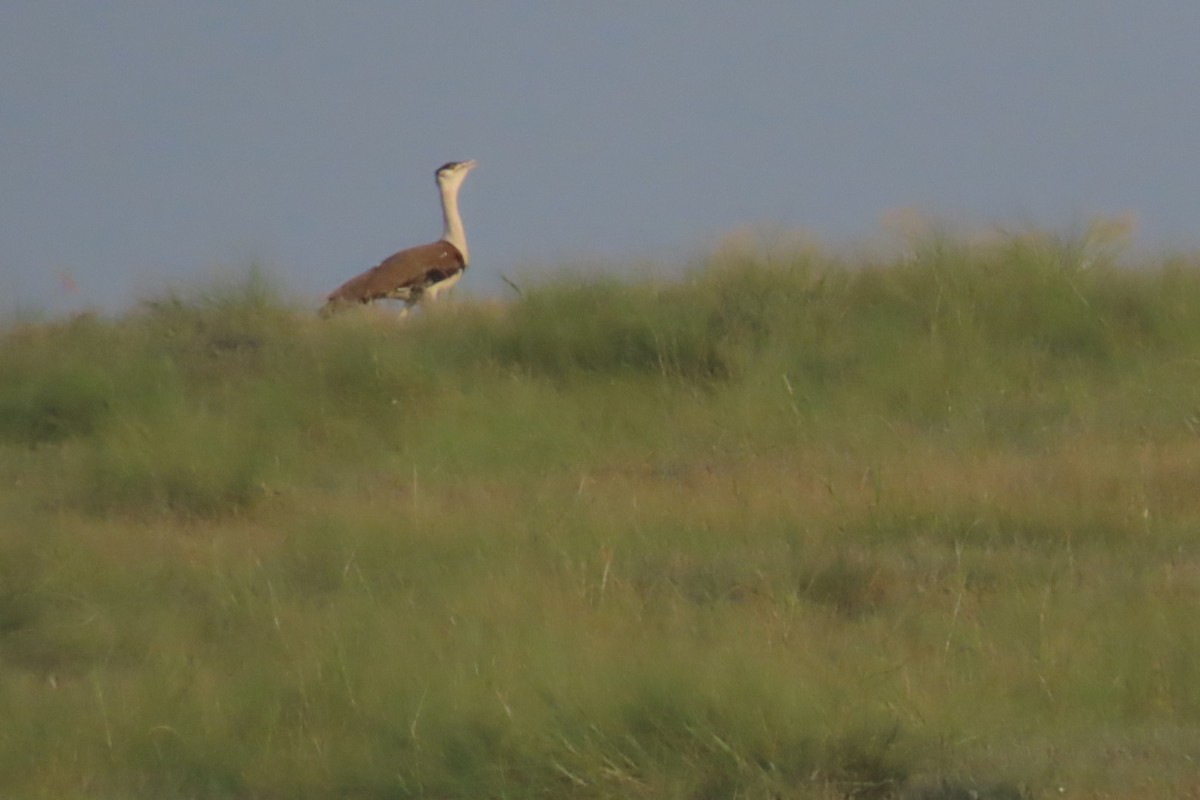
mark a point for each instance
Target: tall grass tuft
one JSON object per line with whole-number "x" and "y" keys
{"x": 53, "y": 382}
{"x": 608, "y": 328}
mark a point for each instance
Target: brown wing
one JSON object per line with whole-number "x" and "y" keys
{"x": 403, "y": 276}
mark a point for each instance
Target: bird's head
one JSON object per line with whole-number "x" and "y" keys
{"x": 453, "y": 172}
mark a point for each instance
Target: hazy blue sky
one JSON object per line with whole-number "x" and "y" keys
{"x": 145, "y": 144}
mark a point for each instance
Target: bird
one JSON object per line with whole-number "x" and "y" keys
{"x": 416, "y": 274}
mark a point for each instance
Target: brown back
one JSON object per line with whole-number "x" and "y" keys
{"x": 403, "y": 276}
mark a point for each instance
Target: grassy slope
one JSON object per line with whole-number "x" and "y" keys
{"x": 777, "y": 531}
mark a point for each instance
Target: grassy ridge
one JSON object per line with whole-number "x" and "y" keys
{"x": 783, "y": 529}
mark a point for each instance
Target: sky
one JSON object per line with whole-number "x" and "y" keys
{"x": 152, "y": 144}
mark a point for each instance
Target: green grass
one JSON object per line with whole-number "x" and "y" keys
{"x": 783, "y": 528}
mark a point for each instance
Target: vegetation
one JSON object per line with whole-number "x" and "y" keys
{"x": 784, "y": 528}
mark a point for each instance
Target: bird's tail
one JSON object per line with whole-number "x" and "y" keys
{"x": 331, "y": 307}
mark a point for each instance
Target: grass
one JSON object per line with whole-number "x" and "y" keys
{"x": 784, "y": 528}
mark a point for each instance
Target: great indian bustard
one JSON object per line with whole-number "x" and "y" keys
{"x": 418, "y": 273}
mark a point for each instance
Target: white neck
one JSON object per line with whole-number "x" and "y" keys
{"x": 454, "y": 233}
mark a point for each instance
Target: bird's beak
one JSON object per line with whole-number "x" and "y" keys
{"x": 470, "y": 164}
